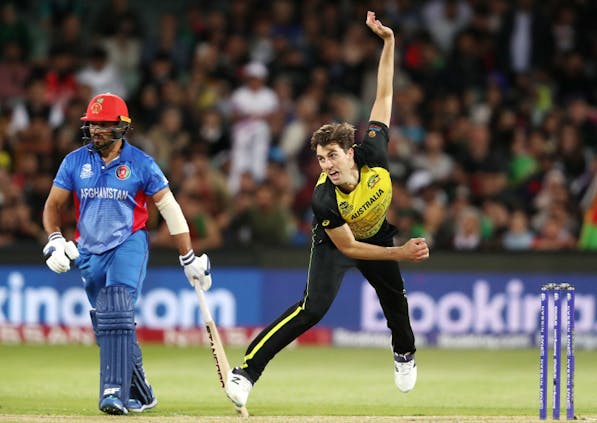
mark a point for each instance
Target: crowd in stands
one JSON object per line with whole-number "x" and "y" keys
{"x": 493, "y": 134}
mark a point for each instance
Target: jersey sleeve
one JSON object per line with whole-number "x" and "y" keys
{"x": 155, "y": 180}
{"x": 325, "y": 208}
{"x": 373, "y": 150}
{"x": 64, "y": 177}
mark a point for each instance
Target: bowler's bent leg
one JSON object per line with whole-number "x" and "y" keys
{"x": 326, "y": 270}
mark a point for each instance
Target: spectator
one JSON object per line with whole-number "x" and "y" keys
{"x": 13, "y": 29}
{"x": 124, "y": 51}
{"x": 485, "y": 167}
{"x": 208, "y": 82}
{"x": 101, "y": 75}
{"x": 168, "y": 40}
{"x": 574, "y": 79}
{"x": 35, "y": 103}
{"x": 209, "y": 184}
{"x": 278, "y": 177}
{"x": 495, "y": 218}
{"x": 35, "y": 142}
{"x": 445, "y": 19}
{"x": 17, "y": 223}
{"x": 508, "y": 111}
{"x": 553, "y": 189}
{"x": 584, "y": 117}
{"x": 402, "y": 212}
{"x": 262, "y": 44}
{"x": 70, "y": 36}
{"x": 553, "y": 237}
{"x": 266, "y": 222}
{"x": 167, "y": 136}
{"x": 523, "y": 163}
{"x": 468, "y": 234}
{"x": 572, "y": 154}
{"x": 68, "y": 135}
{"x": 465, "y": 68}
{"x": 14, "y": 73}
{"x": 252, "y": 105}
{"x": 431, "y": 226}
{"x": 524, "y": 42}
{"x": 60, "y": 77}
{"x": 518, "y": 236}
{"x": 53, "y": 13}
{"x": 293, "y": 140}
{"x": 112, "y": 14}
{"x": 204, "y": 231}
{"x": 214, "y": 134}
{"x": 588, "y": 234}
{"x": 433, "y": 159}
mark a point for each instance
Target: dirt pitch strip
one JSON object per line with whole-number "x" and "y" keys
{"x": 24, "y": 418}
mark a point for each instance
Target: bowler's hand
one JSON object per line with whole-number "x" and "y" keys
{"x": 376, "y": 26}
{"x": 197, "y": 269}
{"x": 58, "y": 253}
{"x": 415, "y": 249}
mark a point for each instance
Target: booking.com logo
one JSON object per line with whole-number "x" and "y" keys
{"x": 455, "y": 312}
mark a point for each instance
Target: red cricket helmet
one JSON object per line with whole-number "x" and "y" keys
{"x": 107, "y": 107}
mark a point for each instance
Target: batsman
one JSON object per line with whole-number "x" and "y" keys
{"x": 110, "y": 182}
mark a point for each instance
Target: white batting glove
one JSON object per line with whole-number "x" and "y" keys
{"x": 197, "y": 269}
{"x": 58, "y": 253}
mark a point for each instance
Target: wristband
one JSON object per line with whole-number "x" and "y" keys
{"x": 54, "y": 236}
{"x": 187, "y": 258}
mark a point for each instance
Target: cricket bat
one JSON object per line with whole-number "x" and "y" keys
{"x": 217, "y": 348}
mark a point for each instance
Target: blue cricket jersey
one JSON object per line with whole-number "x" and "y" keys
{"x": 110, "y": 200}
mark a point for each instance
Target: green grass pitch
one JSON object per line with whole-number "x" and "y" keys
{"x": 304, "y": 381}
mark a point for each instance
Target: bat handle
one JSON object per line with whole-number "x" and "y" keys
{"x": 205, "y": 313}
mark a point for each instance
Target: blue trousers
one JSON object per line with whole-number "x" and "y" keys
{"x": 124, "y": 265}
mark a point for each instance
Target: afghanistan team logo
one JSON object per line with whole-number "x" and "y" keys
{"x": 97, "y": 106}
{"x": 123, "y": 172}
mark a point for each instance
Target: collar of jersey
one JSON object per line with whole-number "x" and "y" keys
{"x": 125, "y": 154}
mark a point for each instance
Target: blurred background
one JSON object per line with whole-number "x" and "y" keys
{"x": 493, "y": 134}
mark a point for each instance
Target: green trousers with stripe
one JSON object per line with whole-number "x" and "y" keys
{"x": 327, "y": 267}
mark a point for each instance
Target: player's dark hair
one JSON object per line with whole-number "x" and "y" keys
{"x": 340, "y": 133}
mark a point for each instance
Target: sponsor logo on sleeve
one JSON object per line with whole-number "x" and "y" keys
{"x": 373, "y": 130}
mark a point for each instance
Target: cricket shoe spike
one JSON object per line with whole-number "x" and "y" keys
{"x": 405, "y": 371}
{"x": 238, "y": 386}
{"x": 111, "y": 404}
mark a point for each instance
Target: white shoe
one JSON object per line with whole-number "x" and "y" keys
{"x": 238, "y": 387}
{"x": 405, "y": 371}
